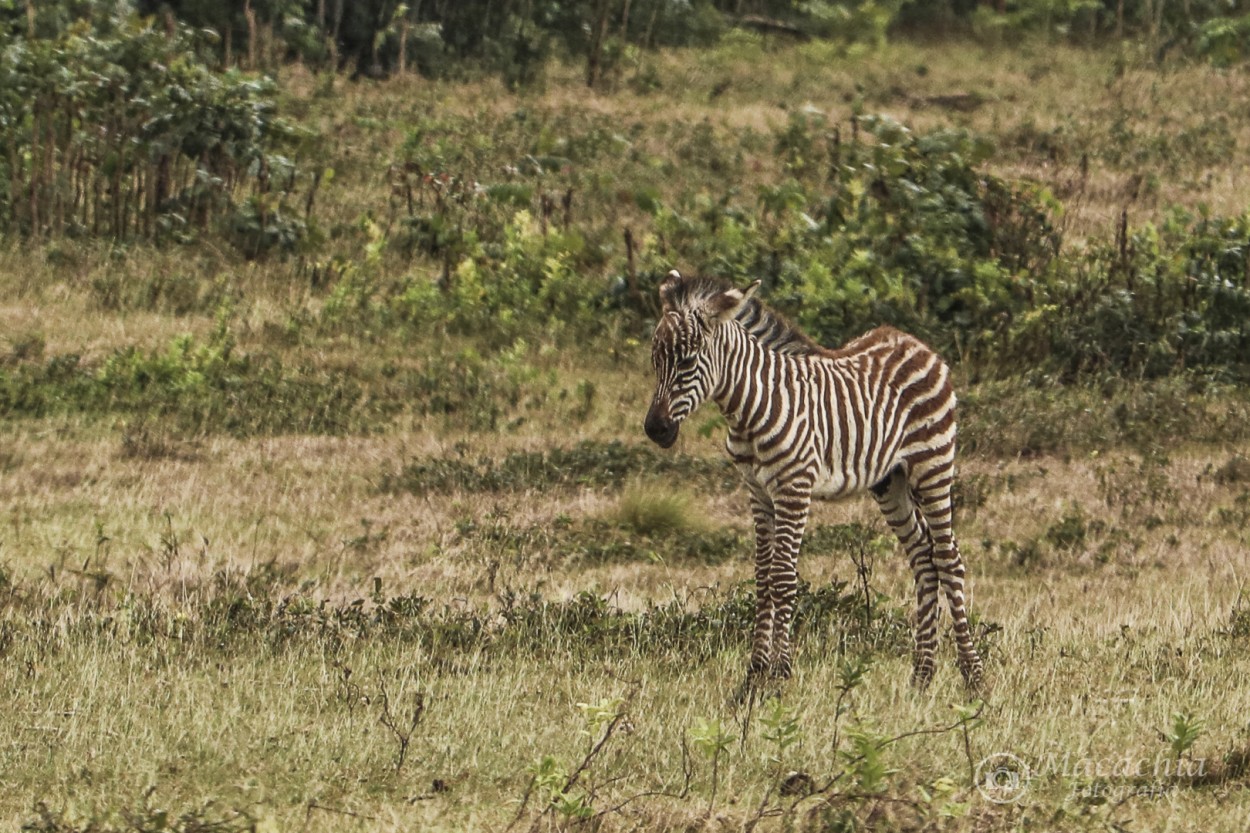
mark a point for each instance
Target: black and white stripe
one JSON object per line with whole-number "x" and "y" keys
{"x": 808, "y": 422}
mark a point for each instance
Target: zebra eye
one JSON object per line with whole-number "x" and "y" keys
{"x": 687, "y": 362}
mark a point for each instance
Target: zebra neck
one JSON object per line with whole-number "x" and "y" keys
{"x": 745, "y": 368}
{"x": 774, "y": 332}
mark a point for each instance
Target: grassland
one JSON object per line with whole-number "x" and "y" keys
{"x": 410, "y": 617}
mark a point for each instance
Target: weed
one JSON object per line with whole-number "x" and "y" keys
{"x": 143, "y": 817}
{"x": 1068, "y": 533}
{"x": 1183, "y": 733}
{"x": 144, "y": 440}
{"x": 1236, "y": 469}
{"x": 1239, "y": 618}
{"x": 712, "y": 740}
{"x": 400, "y": 726}
{"x": 558, "y": 789}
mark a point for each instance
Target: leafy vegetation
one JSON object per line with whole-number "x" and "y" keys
{"x": 861, "y": 222}
{"x": 125, "y": 132}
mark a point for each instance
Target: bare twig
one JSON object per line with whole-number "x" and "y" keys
{"x": 525, "y": 803}
{"x": 687, "y": 768}
{"x": 386, "y": 718}
{"x": 863, "y": 567}
{"x": 583, "y": 766}
{"x": 763, "y": 811}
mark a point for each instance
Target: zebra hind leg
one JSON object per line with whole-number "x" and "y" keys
{"x": 935, "y": 502}
{"x": 897, "y": 503}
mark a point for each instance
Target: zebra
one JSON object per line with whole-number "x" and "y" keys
{"x": 805, "y": 422}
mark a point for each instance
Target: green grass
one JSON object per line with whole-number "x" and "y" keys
{"x": 178, "y": 634}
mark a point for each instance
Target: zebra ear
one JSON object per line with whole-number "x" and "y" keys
{"x": 726, "y": 305}
{"x": 668, "y": 290}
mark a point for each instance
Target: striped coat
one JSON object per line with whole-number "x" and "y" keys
{"x": 807, "y": 422}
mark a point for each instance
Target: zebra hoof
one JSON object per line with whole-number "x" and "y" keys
{"x": 974, "y": 676}
{"x": 755, "y": 688}
{"x": 921, "y": 676}
{"x": 746, "y": 692}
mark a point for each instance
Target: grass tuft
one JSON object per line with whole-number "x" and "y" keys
{"x": 651, "y": 509}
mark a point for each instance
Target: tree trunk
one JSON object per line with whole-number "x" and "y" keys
{"x": 250, "y": 15}
{"x": 594, "y": 61}
{"x": 403, "y": 47}
{"x": 646, "y": 38}
{"x": 338, "y": 22}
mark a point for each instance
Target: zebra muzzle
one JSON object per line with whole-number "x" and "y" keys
{"x": 661, "y": 428}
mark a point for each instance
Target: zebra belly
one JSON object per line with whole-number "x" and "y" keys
{"x": 830, "y": 487}
{"x": 829, "y": 482}
{"x": 834, "y": 479}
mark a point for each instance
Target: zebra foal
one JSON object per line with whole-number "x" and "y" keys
{"x": 806, "y": 422}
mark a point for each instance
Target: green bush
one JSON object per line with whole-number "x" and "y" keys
{"x": 1161, "y": 300}
{"x": 1223, "y": 40}
{"x": 877, "y": 224}
{"x": 120, "y": 129}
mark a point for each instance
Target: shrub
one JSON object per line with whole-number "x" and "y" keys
{"x": 1158, "y": 301}
{"x": 121, "y": 130}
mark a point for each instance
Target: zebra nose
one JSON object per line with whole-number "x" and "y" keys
{"x": 661, "y": 428}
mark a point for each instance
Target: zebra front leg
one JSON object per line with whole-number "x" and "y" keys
{"x": 790, "y": 519}
{"x": 762, "y": 637}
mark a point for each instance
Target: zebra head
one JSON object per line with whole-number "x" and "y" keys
{"x": 685, "y": 367}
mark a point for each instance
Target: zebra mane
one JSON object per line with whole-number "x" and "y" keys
{"x": 772, "y": 329}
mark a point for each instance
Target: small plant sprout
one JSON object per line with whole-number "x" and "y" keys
{"x": 550, "y": 782}
{"x": 1184, "y": 733}
{"x": 555, "y": 785}
{"x": 710, "y": 737}
{"x": 781, "y": 728}
{"x": 864, "y": 761}
{"x": 940, "y": 796}
{"x": 851, "y": 672}
{"x": 712, "y": 740}
{"x": 599, "y": 716}
{"x": 781, "y": 731}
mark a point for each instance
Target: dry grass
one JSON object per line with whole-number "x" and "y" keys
{"x": 1095, "y": 643}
